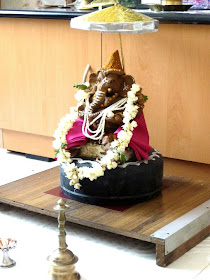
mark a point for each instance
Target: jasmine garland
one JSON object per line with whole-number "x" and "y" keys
{"x": 118, "y": 146}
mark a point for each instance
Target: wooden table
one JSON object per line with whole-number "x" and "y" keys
{"x": 175, "y": 221}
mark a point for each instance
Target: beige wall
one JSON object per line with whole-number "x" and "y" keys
{"x": 1, "y": 138}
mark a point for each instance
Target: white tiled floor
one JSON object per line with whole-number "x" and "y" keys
{"x": 102, "y": 256}
{"x": 20, "y": 166}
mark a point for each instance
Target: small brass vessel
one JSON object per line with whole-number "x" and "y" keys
{"x": 62, "y": 260}
{"x": 171, "y": 2}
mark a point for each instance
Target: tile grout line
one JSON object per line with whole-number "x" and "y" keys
{"x": 201, "y": 271}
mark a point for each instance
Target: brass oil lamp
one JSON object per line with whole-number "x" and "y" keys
{"x": 62, "y": 260}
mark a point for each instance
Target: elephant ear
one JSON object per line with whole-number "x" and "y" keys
{"x": 93, "y": 79}
{"x": 128, "y": 81}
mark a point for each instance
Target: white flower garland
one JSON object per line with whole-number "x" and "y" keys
{"x": 111, "y": 158}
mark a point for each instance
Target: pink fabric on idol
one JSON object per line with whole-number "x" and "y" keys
{"x": 75, "y": 136}
{"x": 140, "y": 139}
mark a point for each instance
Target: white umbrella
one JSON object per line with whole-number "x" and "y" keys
{"x": 116, "y": 19}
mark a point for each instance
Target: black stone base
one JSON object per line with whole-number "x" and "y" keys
{"x": 123, "y": 185}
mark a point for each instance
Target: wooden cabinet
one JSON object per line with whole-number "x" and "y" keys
{"x": 40, "y": 60}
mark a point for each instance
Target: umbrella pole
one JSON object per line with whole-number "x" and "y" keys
{"x": 121, "y": 52}
{"x": 101, "y": 48}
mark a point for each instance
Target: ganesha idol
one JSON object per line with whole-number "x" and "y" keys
{"x": 103, "y": 144}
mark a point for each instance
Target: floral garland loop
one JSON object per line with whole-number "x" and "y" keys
{"x": 110, "y": 160}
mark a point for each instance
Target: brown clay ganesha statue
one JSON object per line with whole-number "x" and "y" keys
{"x": 103, "y": 143}
{"x": 102, "y": 113}
{"x": 107, "y": 87}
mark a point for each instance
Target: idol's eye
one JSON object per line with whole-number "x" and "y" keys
{"x": 111, "y": 81}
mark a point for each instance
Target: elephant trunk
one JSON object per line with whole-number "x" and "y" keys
{"x": 96, "y": 104}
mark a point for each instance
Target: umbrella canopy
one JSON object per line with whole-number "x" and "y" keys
{"x": 116, "y": 19}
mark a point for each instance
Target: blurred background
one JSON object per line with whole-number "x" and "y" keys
{"x": 31, "y": 4}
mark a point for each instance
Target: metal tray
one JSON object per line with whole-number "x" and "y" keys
{"x": 159, "y": 7}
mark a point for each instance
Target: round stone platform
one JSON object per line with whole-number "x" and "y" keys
{"x": 127, "y": 184}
